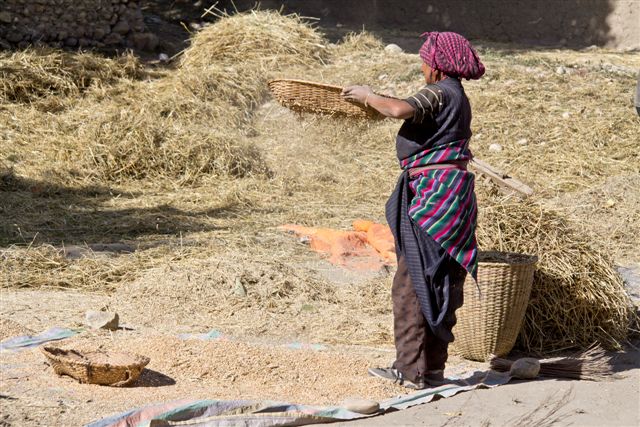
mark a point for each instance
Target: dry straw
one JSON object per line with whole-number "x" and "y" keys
{"x": 182, "y": 151}
{"x": 264, "y": 41}
{"x": 577, "y": 296}
{"x": 30, "y": 75}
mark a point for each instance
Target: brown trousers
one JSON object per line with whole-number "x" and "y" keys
{"x": 418, "y": 350}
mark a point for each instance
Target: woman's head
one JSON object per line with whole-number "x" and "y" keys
{"x": 451, "y": 54}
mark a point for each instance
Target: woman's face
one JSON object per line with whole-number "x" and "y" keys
{"x": 430, "y": 75}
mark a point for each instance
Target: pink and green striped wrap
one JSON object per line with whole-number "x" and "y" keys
{"x": 444, "y": 202}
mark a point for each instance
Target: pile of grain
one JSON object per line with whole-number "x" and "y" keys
{"x": 221, "y": 370}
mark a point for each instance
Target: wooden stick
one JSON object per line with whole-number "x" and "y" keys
{"x": 499, "y": 177}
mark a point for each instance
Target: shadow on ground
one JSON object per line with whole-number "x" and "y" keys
{"x": 37, "y": 212}
{"x": 151, "y": 378}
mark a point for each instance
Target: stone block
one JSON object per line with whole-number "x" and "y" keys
{"x": 122, "y": 27}
{"x": 143, "y": 41}
{"x": 14, "y": 36}
{"x": 113, "y": 39}
{"x": 102, "y": 320}
{"x": 6, "y": 17}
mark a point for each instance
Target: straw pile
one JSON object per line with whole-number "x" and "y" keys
{"x": 106, "y": 126}
{"x": 30, "y": 75}
{"x": 577, "y": 296}
{"x": 264, "y": 40}
{"x": 182, "y": 127}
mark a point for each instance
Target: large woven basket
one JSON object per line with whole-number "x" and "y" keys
{"x": 96, "y": 367}
{"x": 304, "y": 96}
{"x": 490, "y": 319}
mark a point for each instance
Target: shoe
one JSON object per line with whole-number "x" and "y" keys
{"x": 397, "y": 378}
{"x": 435, "y": 378}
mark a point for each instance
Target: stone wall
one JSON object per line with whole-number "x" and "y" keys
{"x": 73, "y": 23}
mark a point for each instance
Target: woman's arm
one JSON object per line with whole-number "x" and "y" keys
{"x": 388, "y": 107}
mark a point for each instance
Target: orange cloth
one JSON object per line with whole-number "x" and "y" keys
{"x": 369, "y": 247}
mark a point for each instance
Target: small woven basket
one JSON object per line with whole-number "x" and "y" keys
{"x": 310, "y": 97}
{"x": 96, "y": 367}
{"x": 490, "y": 319}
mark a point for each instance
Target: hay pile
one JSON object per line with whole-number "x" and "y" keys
{"x": 30, "y": 75}
{"x": 263, "y": 41}
{"x": 186, "y": 125}
{"x": 74, "y": 125}
{"x": 578, "y": 297}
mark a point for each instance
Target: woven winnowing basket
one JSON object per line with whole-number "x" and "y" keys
{"x": 490, "y": 319}
{"x": 304, "y": 96}
{"x": 97, "y": 367}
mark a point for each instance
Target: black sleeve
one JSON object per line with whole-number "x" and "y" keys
{"x": 426, "y": 103}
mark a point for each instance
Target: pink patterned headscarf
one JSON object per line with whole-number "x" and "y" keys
{"x": 452, "y": 54}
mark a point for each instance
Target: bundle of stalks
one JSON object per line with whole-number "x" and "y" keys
{"x": 593, "y": 364}
{"x": 577, "y": 296}
{"x": 29, "y": 75}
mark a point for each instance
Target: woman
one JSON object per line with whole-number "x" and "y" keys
{"x": 432, "y": 212}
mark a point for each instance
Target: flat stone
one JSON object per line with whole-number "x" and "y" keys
{"x": 122, "y": 27}
{"x": 100, "y": 32}
{"x": 526, "y": 368}
{"x": 14, "y": 36}
{"x": 361, "y": 406}
{"x": 102, "y": 320}
{"x": 393, "y": 48}
{"x": 495, "y": 147}
{"x": 239, "y": 288}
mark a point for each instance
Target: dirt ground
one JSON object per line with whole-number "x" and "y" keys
{"x": 264, "y": 367}
{"x": 538, "y": 403}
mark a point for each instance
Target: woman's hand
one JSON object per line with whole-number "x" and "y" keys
{"x": 356, "y": 93}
